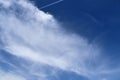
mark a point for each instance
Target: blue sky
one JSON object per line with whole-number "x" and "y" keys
{"x": 71, "y": 40}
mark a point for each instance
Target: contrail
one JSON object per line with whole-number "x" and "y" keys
{"x": 51, "y": 4}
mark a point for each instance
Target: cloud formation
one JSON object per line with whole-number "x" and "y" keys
{"x": 38, "y": 38}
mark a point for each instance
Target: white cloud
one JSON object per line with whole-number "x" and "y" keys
{"x": 37, "y": 37}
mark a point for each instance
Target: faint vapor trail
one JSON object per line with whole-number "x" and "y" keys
{"x": 51, "y": 4}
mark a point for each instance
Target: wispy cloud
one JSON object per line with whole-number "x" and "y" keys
{"x": 38, "y": 38}
{"x": 10, "y": 76}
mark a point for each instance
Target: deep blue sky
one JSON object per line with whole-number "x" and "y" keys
{"x": 87, "y": 17}
{"x": 97, "y": 20}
